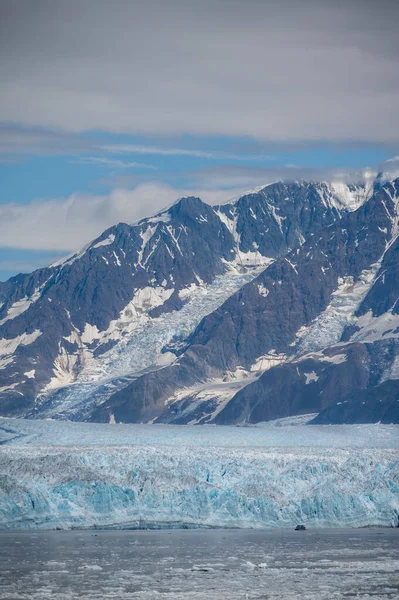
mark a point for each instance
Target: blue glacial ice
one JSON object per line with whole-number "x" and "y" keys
{"x": 213, "y": 477}
{"x": 139, "y": 350}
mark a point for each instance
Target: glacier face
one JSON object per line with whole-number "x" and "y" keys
{"x": 202, "y": 476}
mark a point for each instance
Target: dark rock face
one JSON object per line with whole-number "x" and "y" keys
{"x": 299, "y": 387}
{"x": 56, "y": 319}
{"x": 94, "y": 286}
{"x": 280, "y": 216}
{"x": 384, "y": 295}
{"x": 265, "y": 317}
{"x": 319, "y": 383}
{"x": 299, "y": 288}
{"x": 379, "y": 404}
{"x": 189, "y": 243}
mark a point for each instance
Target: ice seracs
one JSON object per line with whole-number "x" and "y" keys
{"x": 84, "y": 475}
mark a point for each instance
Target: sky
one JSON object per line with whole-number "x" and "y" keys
{"x": 110, "y": 111}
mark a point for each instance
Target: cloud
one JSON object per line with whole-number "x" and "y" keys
{"x": 17, "y": 139}
{"x": 137, "y": 149}
{"x": 228, "y": 176}
{"x": 68, "y": 224}
{"x": 21, "y": 140}
{"x": 273, "y": 70}
{"x": 111, "y": 162}
{"x": 60, "y": 225}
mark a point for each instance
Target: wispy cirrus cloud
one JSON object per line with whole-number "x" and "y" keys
{"x": 214, "y": 155}
{"x": 112, "y": 162}
{"x": 19, "y": 140}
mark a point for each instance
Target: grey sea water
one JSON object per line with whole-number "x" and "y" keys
{"x": 318, "y": 564}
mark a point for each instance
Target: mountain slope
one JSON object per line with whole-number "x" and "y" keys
{"x": 108, "y": 318}
{"x": 290, "y": 310}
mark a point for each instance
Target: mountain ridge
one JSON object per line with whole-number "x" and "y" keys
{"x": 94, "y": 304}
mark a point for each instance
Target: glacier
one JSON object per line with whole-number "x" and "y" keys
{"x": 141, "y": 349}
{"x": 64, "y": 475}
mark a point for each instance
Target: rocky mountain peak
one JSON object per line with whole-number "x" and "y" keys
{"x": 199, "y": 311}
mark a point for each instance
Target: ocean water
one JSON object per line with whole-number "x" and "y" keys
{"x": 322, "y": 564}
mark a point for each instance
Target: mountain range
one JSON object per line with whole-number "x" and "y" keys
{"x": 282, "y": 302}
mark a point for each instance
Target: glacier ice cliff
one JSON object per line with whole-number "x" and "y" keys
{"x": 166, "y": 482}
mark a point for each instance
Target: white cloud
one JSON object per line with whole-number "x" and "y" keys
{"x": 137, "y": 149}
{"x": 20, "y": 140}
{"x": 228, "y": 176}
{"x": 278, "y": 70}
{"x": 68, "y": 224}
{"x": 114, "y": 163}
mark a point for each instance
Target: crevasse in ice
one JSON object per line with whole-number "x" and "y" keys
{"x": 164, "y": 483}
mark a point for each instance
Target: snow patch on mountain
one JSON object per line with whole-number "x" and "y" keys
{"x": 392, "y": 372}
{"x": 163, "y": 217}
{"x": 215, "y": 392}
{"x": 30, "y": 374}
{"x": 351, "y": 197}
{"x": 263, "y": 291}
{"x": 105, "y": 242}
{"x": 335, "y": 359}
{"x": 268, "y": 361}
{"x": 218, "y": 391}
{"x": 310, "y": 377}
{"x": 64, "y": 370}
{"x": 328, "y": 327}
{"x": 22, "y": 305}
{"x": 8, "y": 346}
{"x": 373, "y": 329}
{"x": 12, "y": 386}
